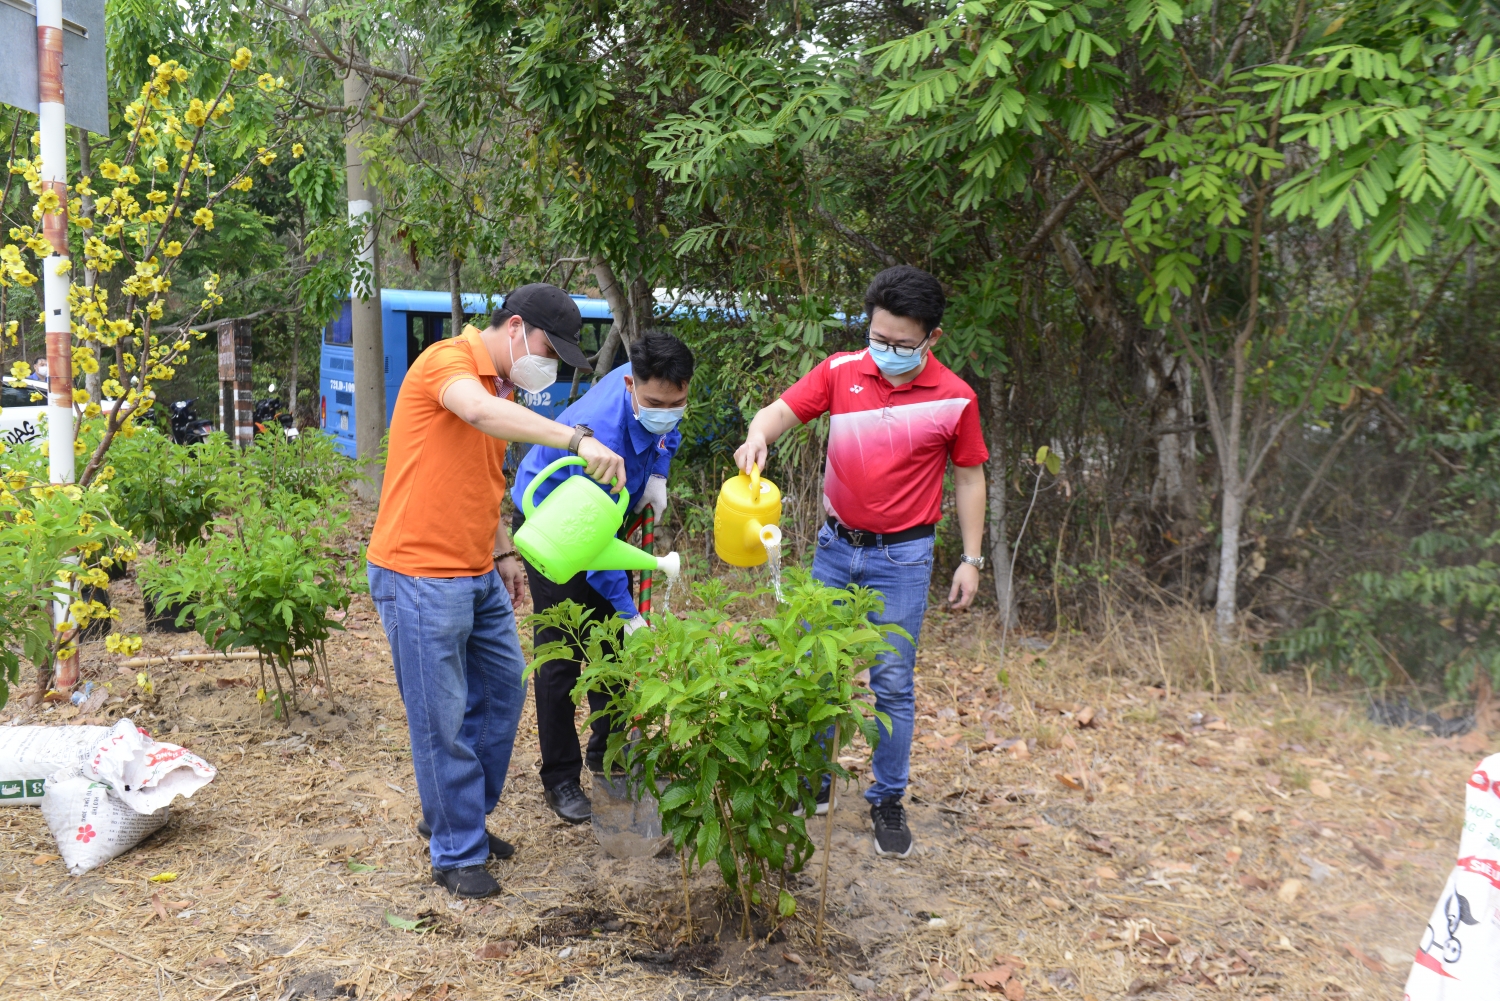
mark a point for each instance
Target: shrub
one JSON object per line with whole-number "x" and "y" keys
{"x": 51, "y": 540}
{"x": 266, "y": 577}
{"x": 165, "y": 492}
{"x": 735, "y": 723}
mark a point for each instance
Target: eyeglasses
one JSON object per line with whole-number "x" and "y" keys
{"x": 899, "y": 350}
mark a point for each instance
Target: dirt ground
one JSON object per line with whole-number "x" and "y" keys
{"x": 1088, "y": 830}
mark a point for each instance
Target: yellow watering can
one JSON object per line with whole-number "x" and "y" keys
{"x": 745, "y": 519}
{"x": 574, "y": 528}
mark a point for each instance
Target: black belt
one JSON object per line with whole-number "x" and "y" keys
{"x": 858, "y": 537}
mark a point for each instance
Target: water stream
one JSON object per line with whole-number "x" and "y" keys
{"x": 673, "y": 575}
{"x": 773, "y": 560}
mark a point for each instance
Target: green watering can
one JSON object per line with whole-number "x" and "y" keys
{"x": 574, "y": 529}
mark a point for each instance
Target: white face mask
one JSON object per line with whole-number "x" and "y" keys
{"x": 532, "y": 373}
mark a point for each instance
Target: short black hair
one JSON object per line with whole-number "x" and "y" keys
{"x": 907, "y": 292}
{"x": 499, "y": 315}
{"x": 656, "y": 354}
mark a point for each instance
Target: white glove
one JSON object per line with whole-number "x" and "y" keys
{"x": 639, "y": 622}
{"x": 654, "y": 496}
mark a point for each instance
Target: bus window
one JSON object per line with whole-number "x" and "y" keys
{"x": 341, "y": 330}
{"x": 425, "y": 329}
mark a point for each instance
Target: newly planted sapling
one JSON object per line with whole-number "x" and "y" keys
{"x": 734, "y": 724}
{"x": 266, "y": 577}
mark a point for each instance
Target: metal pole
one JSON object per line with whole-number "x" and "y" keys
{"x": 368, "y": 334}
{"x": 55, "y": 275}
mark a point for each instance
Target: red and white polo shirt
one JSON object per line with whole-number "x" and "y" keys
{"x": 888, "y": 446}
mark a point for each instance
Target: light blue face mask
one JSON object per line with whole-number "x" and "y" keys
{"x": 659, "y": 420}
{"x": 889, "y": 362}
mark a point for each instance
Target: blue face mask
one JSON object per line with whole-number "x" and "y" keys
{"x": 659, "y": 420}
{"x": 889, "y": 362}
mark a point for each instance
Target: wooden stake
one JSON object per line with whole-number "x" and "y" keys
{"x": 687, "y": 901}
{"x": 827, "y": 845}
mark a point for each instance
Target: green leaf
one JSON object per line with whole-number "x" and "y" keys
{"x": 786, "y": 905}
{"x": 355, "y": 865}
{"x": 417, "y": 925}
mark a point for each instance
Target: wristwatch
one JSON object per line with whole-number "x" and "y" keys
{"x": 977, "y": 562}
{"x": 580, "y": 432}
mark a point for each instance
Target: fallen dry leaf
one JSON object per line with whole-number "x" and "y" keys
{"x": 1020, "y": 751}
{"x": 1375, "y": 860}
{"x": 1289, "y": 890}
{"x": 495, "y": 950}
{"x": 990, "y": 979}
{"x": 1177, "y": 867}
{"x": 1242, "y": 816}
{"x": 1253, "y": 882}
{"x": 792, "y": 957}
{"x": 44, "y": 859}
{"x": 1069, "y": 742}
{"x": 1232, "y": 854}
{"x": 1319, "y": 788}
{"x": 1071, "y": 781}
{"x": 158, "y": 906}
{"x": 1216, "y": 724}
{"x": 1140, "y": 985}
{"x": 1085, "y": 716}
{"x": 1105, "y": 872}
{"x": 1015, "y": 990}
{"x": 1054, "y": 903}
{"x": 1370, "y": 962}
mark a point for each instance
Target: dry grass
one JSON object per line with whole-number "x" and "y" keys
{"x": 1143, "y": 853}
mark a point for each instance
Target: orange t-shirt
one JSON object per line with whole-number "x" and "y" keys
{"x": 440, "y": 505}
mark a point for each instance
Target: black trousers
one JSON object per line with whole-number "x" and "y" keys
{"x": 556, "y": 715}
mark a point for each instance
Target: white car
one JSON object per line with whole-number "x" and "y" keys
{"x": 21, "y": 416}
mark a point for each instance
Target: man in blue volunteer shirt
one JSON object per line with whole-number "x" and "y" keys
{"x": 634, "y": 411}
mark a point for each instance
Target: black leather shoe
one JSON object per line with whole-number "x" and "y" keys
{"x": 569, "y": 802}
{"x": 498, "y": 849}
{"x": 470, "y": 882}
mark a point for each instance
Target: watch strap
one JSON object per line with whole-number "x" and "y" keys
{"x": 580, "y": 432}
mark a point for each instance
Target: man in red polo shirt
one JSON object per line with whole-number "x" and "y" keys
{"x": 898, "y": 416}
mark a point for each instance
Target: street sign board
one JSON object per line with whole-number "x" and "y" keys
{"x": 85, "y": 83}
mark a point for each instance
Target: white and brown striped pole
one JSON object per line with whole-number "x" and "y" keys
{"x": 55, "y": 274}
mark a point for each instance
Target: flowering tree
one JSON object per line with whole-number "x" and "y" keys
{"x": 155, "y": 199}
{"x": 150, "y": 200}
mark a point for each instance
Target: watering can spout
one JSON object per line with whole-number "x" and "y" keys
{"x": 670, "y": 564}
{"x": 618, "y": 555}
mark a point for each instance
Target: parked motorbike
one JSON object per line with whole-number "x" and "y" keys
{"x": 187, "y": 427}
{"x": 270, "y": 412}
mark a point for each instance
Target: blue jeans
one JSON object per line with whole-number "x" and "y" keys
{"x": 458, "y": 668}
{"x": 901, "y": 573}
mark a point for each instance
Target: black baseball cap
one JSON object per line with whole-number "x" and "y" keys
{"x": 555, "y": 312}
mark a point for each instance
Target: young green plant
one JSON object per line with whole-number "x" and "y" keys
{"x": 734, "y": 724}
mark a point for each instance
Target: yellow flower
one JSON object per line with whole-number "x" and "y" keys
{"x": 266, "y": 82}
{"x": 297, "y": 149}
{"x": 172, "y": 249}
{"x": 156, "y": 197}
{"x": 110, "y": 170}
{"x": 197, "y": 113}
{"x": 243, "y": 184}
{"x": 19, "y": 370}
{"x": 80, "y": 396}
{"x": 160, "y": 163}
{"x": 180, "y": 75}
{"x": 241, "y": 58}
{"x": 153, "y": 60}
{"x": 266, "y": 156}
{"x": 204, "y": 217}
{"x": 181, "y": 143}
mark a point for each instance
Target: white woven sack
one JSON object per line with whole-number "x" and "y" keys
{"x": 91, "y": 824}
{"x": 1458, "y": 957}
{"x": 29, "y": 755}
{"x": 143, "y": 773}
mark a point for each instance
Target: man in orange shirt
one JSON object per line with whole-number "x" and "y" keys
{"x": 444, "y": 575}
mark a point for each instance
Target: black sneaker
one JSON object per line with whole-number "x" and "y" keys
{"x": 892, "y": 836}
{"x": 498, "y": 849}
{"x": 822, "y": 801}
{"x": 569, "y": 802}
{"x": 470, "y": 882}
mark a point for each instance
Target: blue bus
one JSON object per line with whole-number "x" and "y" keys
{"x": 410, "y": 321}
